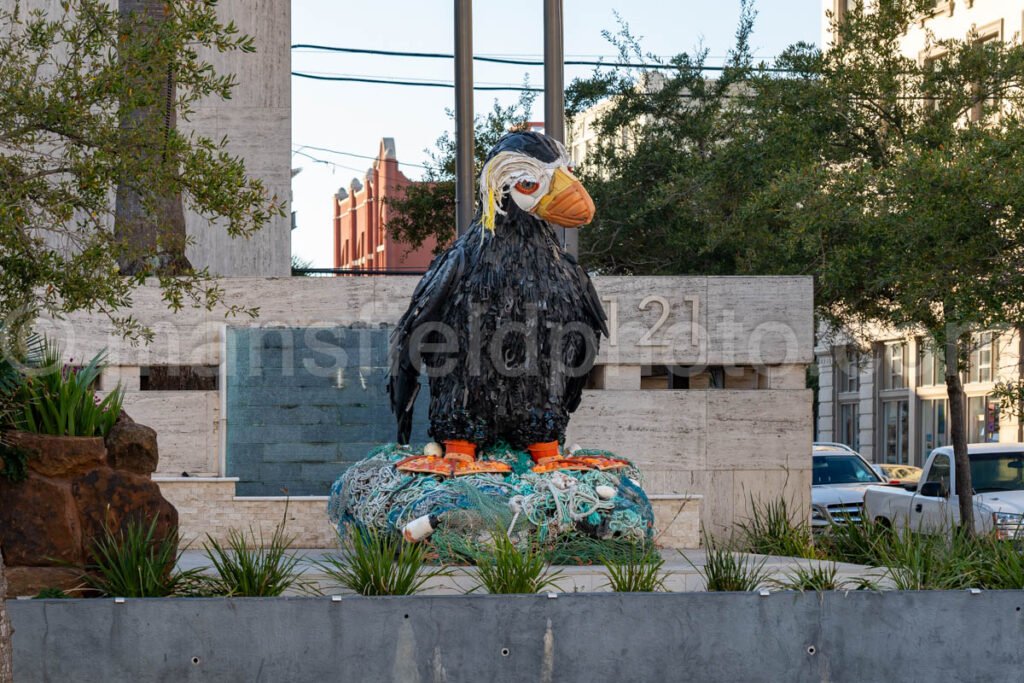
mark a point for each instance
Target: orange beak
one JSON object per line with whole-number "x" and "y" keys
{"x": 566, "y": 204}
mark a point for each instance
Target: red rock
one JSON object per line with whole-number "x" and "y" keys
{"x": 108, "y": 498}
{"x": 132, "y": 447}
{"x": 39, "y": 522}
{"x": 61, "y": 456}
{"x": 31, "y": 580}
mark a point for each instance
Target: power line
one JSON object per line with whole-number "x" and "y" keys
{"x": 509, "y": 60}
{"x": 328, "y": 163}
{"x": 422, "y": 84}
{"x": 349, "y": 154}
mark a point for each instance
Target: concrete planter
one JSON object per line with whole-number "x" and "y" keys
{"x": 710, "y": 637}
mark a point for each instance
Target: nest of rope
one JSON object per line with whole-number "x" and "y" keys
{"x": 577, "y": 516}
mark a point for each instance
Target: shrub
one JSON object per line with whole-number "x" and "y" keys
{"x": 132, "y": 563}
{"x": 371, "y": 563}
{"x": 637, "y": 572}
{"x": 933, "y": 562}
{"x": 857, "y": 543}
{"x": 61, "y": 400}
{"x": 507, "y": 568}
{"x": 250, "y": 568}
{"x": 1002, "y": 564}
{"x": 772, "y": 529}
{"x": 727, "y": 570}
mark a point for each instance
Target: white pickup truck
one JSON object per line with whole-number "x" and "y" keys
{"x": 931, "y": 505}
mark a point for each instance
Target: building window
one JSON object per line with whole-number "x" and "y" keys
{"x": 847, "y": 364}
{"x": 895, "y": 428}
{"x": 983, "y": 358}
{"x": 934, "y": 425}
{"x": 894, "y": 365}
{"x": 849, "y": 429}
{"x": 931, "y": 365}
{"x": 982, "y": 419}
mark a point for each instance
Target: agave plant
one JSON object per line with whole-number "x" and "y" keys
{"x": 372, "y": 563}
{"x": 60, "y": 399}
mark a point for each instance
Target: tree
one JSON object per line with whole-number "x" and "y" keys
{"x": 85, "y": 119}
{"x": 428, "y": 208}
{"x": 920, "y": 225}
{"x": 682, "y": 148}
{"x": 896, "y": 183}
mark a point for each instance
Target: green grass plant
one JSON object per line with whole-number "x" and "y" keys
{"x": 133, "y": 563}
{"x": 774, "y": 529}
{"x": 506, "y": 568}
{"x": 639, "y": 571}
{"x": 856, "y": 542}
{"x": 725, "y": 569}
{"x": 918, "y": 561}
{"x": 372, "y": 563}
{"x": 247, "y": 566}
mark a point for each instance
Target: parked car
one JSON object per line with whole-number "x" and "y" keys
{"x": 931, "y": 506}
{"x": 897, "y": 475}
{"x": 839, "y": 477}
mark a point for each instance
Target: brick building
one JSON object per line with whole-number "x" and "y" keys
{"x": 361, "y": 238}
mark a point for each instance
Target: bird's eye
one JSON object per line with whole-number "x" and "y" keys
{"x": 527, "y": 186}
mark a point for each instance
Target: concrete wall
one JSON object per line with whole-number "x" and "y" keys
{"x": 257, "y": 122}
{"x": 727, "y": 637}
{"x": 749, "y": 439}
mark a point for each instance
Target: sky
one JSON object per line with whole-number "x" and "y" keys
{"x": 353, "y": 117}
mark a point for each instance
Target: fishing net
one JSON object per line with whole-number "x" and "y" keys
{"x": 578, "y": 517}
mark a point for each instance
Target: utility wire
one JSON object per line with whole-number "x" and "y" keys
{"x": 422, "y": 84}
{"x": 328, "y": 163}
{"x": 508, "y": 60}
{"x": 348, "y": 154}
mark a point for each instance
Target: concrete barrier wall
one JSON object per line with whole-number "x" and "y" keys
{"x": 728, "y": 637}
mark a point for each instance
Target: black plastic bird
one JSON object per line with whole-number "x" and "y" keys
{"x": 505, "y": 322}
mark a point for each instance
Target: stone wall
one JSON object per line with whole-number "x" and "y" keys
{"x": 741, "y": 430}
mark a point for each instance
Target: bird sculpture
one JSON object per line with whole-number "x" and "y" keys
{"x": 505, "y": 322}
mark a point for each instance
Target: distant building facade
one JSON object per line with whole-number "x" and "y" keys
{"x": 886, "y": 397}
{"x": 986, "y": 19}
{"x": 361, "y": 238}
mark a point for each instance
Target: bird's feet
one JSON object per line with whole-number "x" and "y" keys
{"x": 459, "y": 460}
{"x": 548, "y": 458}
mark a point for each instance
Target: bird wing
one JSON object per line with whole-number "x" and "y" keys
{"x": 433, "y": 289}
{"x": 598, "y": 321}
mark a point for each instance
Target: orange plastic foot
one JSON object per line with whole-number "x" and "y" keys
{"x": 599, "y": 462}
{"x": 560, "y": 464}
{"x": 425, "y": 464}
{"x": 481, "y": 467}
{"x": 549, "y": 459}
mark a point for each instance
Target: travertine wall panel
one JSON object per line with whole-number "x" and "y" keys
{"x": 187, "y": 424}
{"x": 758, "y": 429}
{"x": 740, "y": 321}
{"x": 209, "y": 506}
{"x": 659, "y": 430}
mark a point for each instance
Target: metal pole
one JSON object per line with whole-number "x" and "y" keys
{"x": 554, "y": 92}
{"x": 465, "y": 202}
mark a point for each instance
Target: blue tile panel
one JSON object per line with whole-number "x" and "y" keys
{"x": 305, "y": 403}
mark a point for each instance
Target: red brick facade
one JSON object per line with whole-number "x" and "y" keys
{"x": 360, "y": 216}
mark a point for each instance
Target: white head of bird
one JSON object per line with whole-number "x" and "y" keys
{"x": 548, "y": 190}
